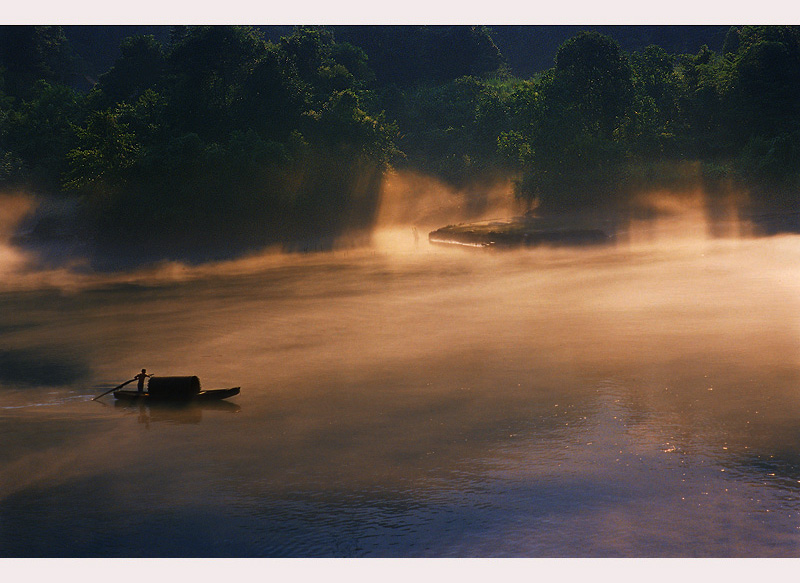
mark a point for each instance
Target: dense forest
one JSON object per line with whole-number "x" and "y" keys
{"x": 217, "y": 139}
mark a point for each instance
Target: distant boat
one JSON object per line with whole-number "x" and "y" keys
{"x": 527, "y": 231}
{"x": 175, "y": 389}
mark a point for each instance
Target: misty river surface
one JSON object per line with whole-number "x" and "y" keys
{"x": 633, "y": 400}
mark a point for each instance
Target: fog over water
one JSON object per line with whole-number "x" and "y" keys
{"x": 637, "y": 399}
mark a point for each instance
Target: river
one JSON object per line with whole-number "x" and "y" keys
{"x": 632, "y": 400}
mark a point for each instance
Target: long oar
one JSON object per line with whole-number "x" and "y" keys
{"x": 114, "y": 389}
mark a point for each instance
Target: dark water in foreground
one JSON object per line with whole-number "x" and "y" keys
{"x": 634, "y": 401}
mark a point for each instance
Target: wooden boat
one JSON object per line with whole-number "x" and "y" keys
{"x": 175, "y": 389}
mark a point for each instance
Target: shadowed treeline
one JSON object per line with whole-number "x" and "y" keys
{"x": 212, "y": 141}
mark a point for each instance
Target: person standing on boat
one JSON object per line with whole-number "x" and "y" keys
{"x": 140, "y": 377}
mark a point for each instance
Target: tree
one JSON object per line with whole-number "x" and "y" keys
{"x": 651, "y": 125}
{"x": 593, "y": 70}
{"x": 106, "y": 149}
{"x": 139, "y": 67}
{"x": 40, "y": 131}
{"x": 451, "y": 130}
{"x": 767, "y": 81}
{"x": 324, "y": 66}
{"x": 272, "y": 98}
{"x": 33, "y": 53}
{"x": 206, "y": 70}
{"x": 762, "y": 110}
{"x": 573, "y": 132}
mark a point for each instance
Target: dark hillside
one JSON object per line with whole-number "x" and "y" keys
{"x": 530, "y": 49}
{"x": 98, "y": 46}
{"x": 401, "y": 53}
{"x": 282, "y": 135}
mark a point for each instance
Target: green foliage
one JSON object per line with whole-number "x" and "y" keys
{"x": 574, "y": 124}
{"x": 139, "y": 68}
{"x": 767, "y": 80}
{"x": 272, "y": 98}
{"x": 651, "y": 125}
{"x": 205, "y": 72}
{"x": 342, "y": 127}
{"x": 250, "y": 142}
{"x": 32, "y": 53}
{"x": 513, "y": 146}
{"x": 38, "y": 133}
{"x": 584, "y": 128}
{"x": 106, "y": 149}
{"x": 595, "y": 73}
{"x": 453, "y": 129}
{"x": 227, "y": 135}
{"x": 768, "y": 159}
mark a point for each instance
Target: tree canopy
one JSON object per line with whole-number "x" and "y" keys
{"x": 217, "y": 130}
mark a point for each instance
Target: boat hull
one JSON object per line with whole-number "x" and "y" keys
{"x": 211, "y": 395}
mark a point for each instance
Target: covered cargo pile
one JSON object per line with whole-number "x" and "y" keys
{"x": 174, "y": 387}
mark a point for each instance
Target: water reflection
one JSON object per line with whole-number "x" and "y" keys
{"x": 179, "y": 413}
{"x": 29, "y": 367}
{"x": 635, "y": 401}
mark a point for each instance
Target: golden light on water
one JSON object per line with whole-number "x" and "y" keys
{"x": 415, "y": 400}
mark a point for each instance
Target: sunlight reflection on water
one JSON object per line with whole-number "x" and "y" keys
{"x": 635, "y": 401}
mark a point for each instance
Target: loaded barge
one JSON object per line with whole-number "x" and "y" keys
{"x": 176, "y": 388}
{"x": 518, "y": 232}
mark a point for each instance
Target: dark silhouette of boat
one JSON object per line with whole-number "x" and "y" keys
{"x": 175, "y": 389}
{"x": 526, "y": 231}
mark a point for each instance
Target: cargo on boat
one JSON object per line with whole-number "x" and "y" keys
{"x": 524, "y": 231}
{"x": 177, "y": 388}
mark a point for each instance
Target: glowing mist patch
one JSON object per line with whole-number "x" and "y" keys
{"x": 410, "y": 198}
